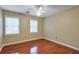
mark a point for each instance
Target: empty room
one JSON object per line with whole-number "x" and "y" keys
{"x": 39, "y": 29}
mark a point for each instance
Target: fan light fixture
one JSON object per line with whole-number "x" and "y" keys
{"x": 39, "y": 14}
{"x": 39, "y": 11}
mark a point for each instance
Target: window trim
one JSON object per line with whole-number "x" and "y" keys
{"x": 5, "y": 29}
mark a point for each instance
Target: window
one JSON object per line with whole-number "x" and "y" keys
{"x": 33, "y": 26}
{"x": 11, "y": 25}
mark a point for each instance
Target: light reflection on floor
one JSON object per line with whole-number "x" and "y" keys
{"x": 16, "y": 53}
{"x": 33, "y": 50}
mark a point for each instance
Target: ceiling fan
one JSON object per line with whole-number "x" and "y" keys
{"x": 37, "y": 10}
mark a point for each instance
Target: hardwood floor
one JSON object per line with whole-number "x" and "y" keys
{"x": 40, "y": 46}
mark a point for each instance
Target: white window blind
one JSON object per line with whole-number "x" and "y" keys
{"x": 33, "y": 26}
{"x": 11, "y": 25}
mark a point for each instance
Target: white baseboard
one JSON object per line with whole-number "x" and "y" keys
{"x": 63, "y": 44}
{"x": 1, "y": 48}
{"x": 21, "y": 41}
{"x": 18, "y": 42}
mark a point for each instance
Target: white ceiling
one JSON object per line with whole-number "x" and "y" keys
{"x": 49, "y": 9}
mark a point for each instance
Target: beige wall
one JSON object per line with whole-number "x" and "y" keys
{"x": 1, "y": 28}
{"x": 24, "y": 28}
{"x": 63, "y": 27}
